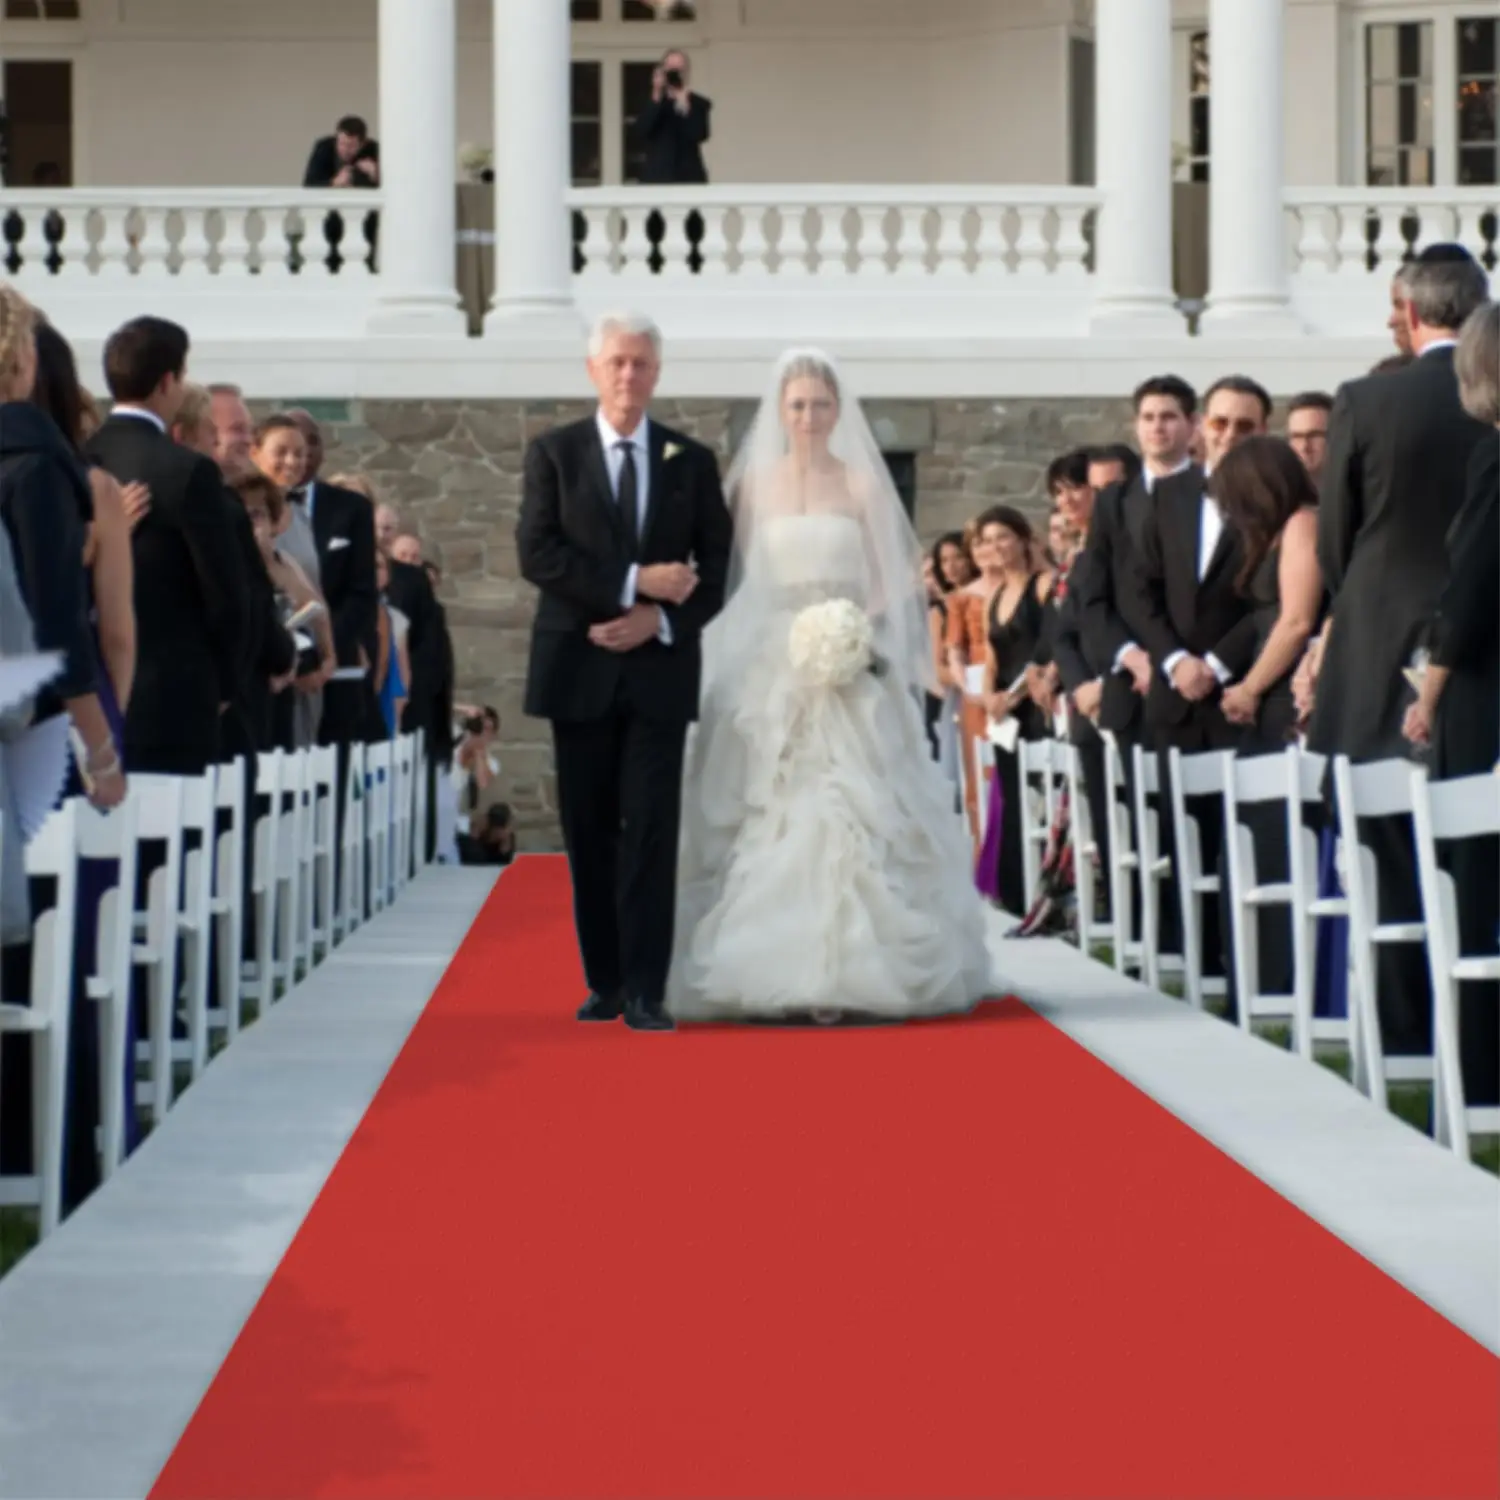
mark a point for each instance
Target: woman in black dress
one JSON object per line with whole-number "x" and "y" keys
{"x": 1268, "y": 499}
{"x": 1014, "y": 622}
{"x": 1458, "y": 710}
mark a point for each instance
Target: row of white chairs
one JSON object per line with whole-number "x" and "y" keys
{"x": 310, "y": 886}
{"x": 1442, "y": 813}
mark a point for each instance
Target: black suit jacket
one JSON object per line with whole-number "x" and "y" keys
{"x": 1399, "y": 447}
{"x": 673, "y": 142}
{"x": 410, "y": 591}
{"x": 1176, "y": 611}
{"x": 1108, "y": 598}
{"x": 1466, "y": 630}
{"x": 192, "y": 605}
{"x": 323, "y": 165}
{"x": 247, "y": 726}
{"x": 1061, "y": 645}
{"x": 572, "y": 546}
{"x": 344, "y": 527}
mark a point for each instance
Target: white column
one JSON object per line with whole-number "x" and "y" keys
{"x": 1247, "y": 283}
{"x": 533, "y": 240}
{"x": 1133, "y": 152}
{"x": 418, "y": 172}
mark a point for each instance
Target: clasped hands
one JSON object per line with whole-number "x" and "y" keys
{"x": 1194, "y": 679}
{"x": 660, "y": 583}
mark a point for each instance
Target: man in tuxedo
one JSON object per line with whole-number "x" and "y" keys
{"x": 343, "y": 525}
{"x": 346, "y": 159}
{"x": 1399, "y": 447}
{"x": 624, "y": 529}
{"x": 192, "y": 605}
{"x": 1106, "y": 598}
{"x": 1197, "y": 627}
{"x": 672, "y": 130}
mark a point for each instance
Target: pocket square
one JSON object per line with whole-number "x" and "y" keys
{"x": 337, "y": 542}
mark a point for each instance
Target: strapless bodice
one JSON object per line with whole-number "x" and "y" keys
{"x": 823, "y": 551}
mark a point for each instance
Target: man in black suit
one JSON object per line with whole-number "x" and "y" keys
{"x": 624, "y": 530}
{"x": 1107, "y": 599}
{"x": 191, "y": 594}
{"x": 672, "y": 130}
{"x": 343, "y": 523}
{"x": 1399, "y": 447}
{"x": 1197, "y": 627}
{"x": 346, "y": 159}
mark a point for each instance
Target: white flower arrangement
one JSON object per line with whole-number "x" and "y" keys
{"x": 830, "y": 643}
{"x": 670, "y": 452}
{"x": 473, "y": 158}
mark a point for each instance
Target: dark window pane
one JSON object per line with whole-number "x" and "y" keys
{"x": 62, "y": 10}
{"x": 23, "y": 10}
{"x": 588, "y": 140}
{"x": 1476, "y": 111}
{"x": 1406, "y": 114}
{"x": 1476, "y": 48}
{"x": 635, "y": 78}
{"x": 1198, "y": 127}
{"x": 1198, "y": 172}
{"x": 586, "y": 10}
{"x": 1478, "y": 166}
{"x": 586, "y": 89}
{"x": 1409, "y": 48}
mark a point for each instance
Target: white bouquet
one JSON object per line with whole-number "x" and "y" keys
{"x": 474, "y": 159}
{"x": 830, "y": 643}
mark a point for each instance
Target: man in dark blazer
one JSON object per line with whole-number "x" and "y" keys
{"x": 1107, "y": 599}
{"x": 192, "y": 603}
{"x": 624, "y": 529}
{"x": 1197, "y": 627}
{"x": 1399, "y": 447}
{"x": 346, "y": 159}
{"x": 343, "y": 524}
{"x": 672, "y": 129}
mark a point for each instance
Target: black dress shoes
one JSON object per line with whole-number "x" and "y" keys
{"x": 601, "y": 1008}
{"x": 642, "y": 1015}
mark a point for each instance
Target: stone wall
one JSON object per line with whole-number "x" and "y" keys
{"x": 454, "y": 471}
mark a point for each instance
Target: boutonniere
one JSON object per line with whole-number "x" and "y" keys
{"x": 670, "y": 452}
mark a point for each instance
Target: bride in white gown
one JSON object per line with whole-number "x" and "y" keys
{"x": 823, "y": 870}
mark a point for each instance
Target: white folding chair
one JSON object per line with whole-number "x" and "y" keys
{"x": 290, "y": 852}
{"x": 258, "y": 975}
{"x": 404, "y": 754}
{"x": 1448, "y": 812}
{"x": 1381, "y": 789}
{"x": 52, "y": 853}
{"x": 324, "y": 825}
{"x": 1041, "y": 772}
{"x": 1273, "y": 780}
{"x": 157, "y": 929}
{"x": 352, "y": 870}
{"x": 1199, "y": 775}
{"x": 1124, "y": 860}
{"x": 195, "y": 918}
{"x": 113, "y": 836}
{"x": 378, "y": 771}
{"x": 229, "y": 897}
{"x": 1153, "y": 868}
{"x": 1086, "y": 852}
{"x": 423, "y": 807}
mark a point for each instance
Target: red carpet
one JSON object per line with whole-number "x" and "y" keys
{"x": 954, "y": 1259}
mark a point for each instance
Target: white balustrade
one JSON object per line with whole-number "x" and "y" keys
{"x": 1345, "y": 244}
{"x": 91, "y": 257}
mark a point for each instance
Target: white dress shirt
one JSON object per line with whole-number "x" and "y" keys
{"x": 122, "y": 409}
{"x": 614, "y": 462}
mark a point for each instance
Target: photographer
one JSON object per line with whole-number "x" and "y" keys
{"x": 485, "y": 835}
{"x": 671, "y": 132}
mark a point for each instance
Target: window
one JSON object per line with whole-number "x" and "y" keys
{"x": 1478, "y": 152}
{"x": 635, "y": 98}
{"x": 588, "y": 124}
{"x": 634, "y": 10}
{"x": 1398, "y": 104}
{"x": 1198, "y": 84}
{"x": 41, "y": 10}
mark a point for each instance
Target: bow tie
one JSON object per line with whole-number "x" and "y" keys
{"x": 298, "y": 496}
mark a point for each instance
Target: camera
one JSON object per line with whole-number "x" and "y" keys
{"x": 474, "y": 724}
{"x": 672, "y": 78}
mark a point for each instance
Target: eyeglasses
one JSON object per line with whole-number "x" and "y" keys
{"x": 1240, "y": 426}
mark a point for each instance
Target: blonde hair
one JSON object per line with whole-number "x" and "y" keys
{"x": 1477, "y": 364}
{"x": 18, "y": 319}
{"x": 197, "y": 409}
{"x": 361, "y": 484}
{"x": 809, "y": 366}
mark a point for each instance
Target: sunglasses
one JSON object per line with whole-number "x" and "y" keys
{"x": 1240, "y": 426}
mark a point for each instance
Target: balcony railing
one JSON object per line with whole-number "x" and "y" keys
{"x": 1345, "y": 244}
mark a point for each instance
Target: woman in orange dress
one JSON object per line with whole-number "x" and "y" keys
{"x": 968, "y": 647}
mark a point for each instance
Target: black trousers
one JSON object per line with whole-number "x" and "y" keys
{"x": 619, "y": 792}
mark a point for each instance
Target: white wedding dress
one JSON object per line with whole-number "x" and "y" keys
{"x": 823, "y": 867}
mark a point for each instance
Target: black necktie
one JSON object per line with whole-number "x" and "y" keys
{"x": 298, "y": 496}
{"x": 630, "y": 497}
